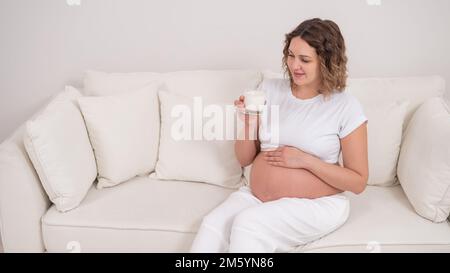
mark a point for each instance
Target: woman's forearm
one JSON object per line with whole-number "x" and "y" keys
{"x": 271, "y": 183}
{"x": 336, "y": 176}
{"x": 342, "y": 178}
{"x": 246, "y": 146}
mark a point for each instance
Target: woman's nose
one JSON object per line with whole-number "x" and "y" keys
{"x": 297, "y": 64}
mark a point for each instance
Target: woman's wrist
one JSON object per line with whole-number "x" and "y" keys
{"x": 308, "y": 162}
{"x": 247, "y": 128}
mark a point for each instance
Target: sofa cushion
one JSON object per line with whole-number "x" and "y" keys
{"x": 187, "y": 155}
{"x": 384, "y": 134}
{"x": 373, "y": 91}
{"x": 213, "y": 86}
{"x": 141, "y": 215}
{"x": 58, "y": 145}
{"x": 98, "y": 83}
{"x": 124, "y": 132}
{"x": 382, "y": 220}
{"x": 424, "y": 163}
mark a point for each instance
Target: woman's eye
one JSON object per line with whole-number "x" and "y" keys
{"x": 290, "y": 55}
{"x": 305, "y": 61}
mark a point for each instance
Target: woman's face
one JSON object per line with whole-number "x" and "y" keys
{"x": 303, "y": 63}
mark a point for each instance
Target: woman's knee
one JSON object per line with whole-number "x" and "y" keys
{"x": 249, "y": 219}
{"x": 337, "y": 215}
{"x": 219, "y": 218}
{"x": 248, "y": 233}
{"x": 213, "y": 219}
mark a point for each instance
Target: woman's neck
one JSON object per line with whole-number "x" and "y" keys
{"x": 305, "y": 92}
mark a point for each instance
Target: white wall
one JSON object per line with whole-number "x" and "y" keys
{"x": 46, "y": 44}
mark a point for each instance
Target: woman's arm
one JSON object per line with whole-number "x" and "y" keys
{"x": 355, "y": 173}
{"x": 247, "y": 145}
{"x": 352, "y": 177}
{"x": 270, "y": 182}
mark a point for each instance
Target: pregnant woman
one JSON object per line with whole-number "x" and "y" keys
{"x": 295, "y": 194}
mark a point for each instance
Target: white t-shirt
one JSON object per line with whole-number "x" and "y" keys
{"x": 313, "y": 125}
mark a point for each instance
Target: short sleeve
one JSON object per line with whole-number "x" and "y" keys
{"x": 261, "y": 85}
{"x": 352, "y": 117}
{"x": 265, "y": 86}
{"x": 272, "y": 89}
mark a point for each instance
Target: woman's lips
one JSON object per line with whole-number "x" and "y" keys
{"x": 298, "y": 75}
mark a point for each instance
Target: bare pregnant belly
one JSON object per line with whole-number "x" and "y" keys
{"x": 270, "y": 182}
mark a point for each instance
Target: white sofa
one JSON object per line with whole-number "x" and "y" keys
{"x": 148, "y": 214}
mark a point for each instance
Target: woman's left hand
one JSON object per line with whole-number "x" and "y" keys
{"x": 288, "y": 157}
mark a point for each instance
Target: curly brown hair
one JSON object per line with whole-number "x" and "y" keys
{"x": 326, "y": 38}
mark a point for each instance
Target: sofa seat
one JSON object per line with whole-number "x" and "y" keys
{"x": 140, "y": 215}
{"x": 383, "y": 220}
{"x": 149, "y": 215}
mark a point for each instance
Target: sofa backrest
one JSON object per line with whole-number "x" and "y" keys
{"x": 373, "y": 91}
{"x": 387, "y": 124}
{"x": 214, "y": 86}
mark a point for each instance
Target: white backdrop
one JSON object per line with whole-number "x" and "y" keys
{"x": 46, "y": 44}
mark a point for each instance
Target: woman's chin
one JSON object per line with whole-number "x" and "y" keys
{"x": 303, "y": 83}
{"x": 299, "y": 82}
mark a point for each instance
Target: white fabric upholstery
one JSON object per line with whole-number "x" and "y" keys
{"x": 381, "y": 219}
{"x": 212, "y": 85}
{"x": 424, "y": 163}
{"x": 384, "y": 133}
{"x": 124, "y": 133}
{"x": 140, "y": 215}
{"x": 373, "y": 91}
{"x": 58, "y": 145}
{"x": 23, "y": 200}
{"x": 98, "y": 83}
{"x": 202, "y": 160}
{"x": 221, "y": 86}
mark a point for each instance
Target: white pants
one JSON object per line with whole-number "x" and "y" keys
{"x": 243, "y": 223}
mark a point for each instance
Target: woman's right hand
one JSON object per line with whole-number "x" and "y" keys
{"x": 240, "y": 108}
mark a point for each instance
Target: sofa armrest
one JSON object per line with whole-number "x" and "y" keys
{"x": 424, "y": 162}
{"x": 23, "y": 200}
